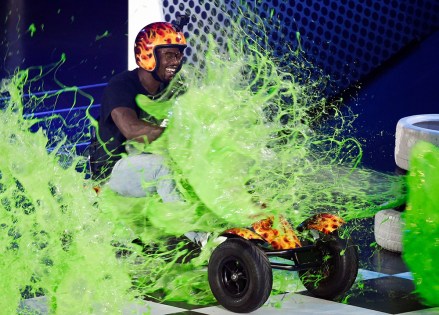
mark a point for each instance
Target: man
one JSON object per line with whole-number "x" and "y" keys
{"x": 159, "y": 52}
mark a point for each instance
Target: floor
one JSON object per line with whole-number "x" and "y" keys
{"x": 382, "y": 294}
{"x": 384, "y": 286}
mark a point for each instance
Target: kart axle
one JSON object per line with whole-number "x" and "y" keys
{"x": 305, "y": 257}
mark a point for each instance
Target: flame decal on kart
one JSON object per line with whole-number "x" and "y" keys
{"x": 323, "y": 222}
{"x": 244, "y": 233}
{"x": 280, "y": 236}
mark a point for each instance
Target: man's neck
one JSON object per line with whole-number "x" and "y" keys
{"x": 148, "y": 81}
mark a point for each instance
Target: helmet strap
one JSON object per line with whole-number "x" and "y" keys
{"x": 155, "y": 75}
{"x": 157, "y": 65}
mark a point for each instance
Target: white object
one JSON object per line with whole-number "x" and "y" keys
{"x": 388, "y": 230}
{"x": 200, "y": 238}
{"x": 164, "y": 123}
{"x": 410, "y": 130}
{"x": 140, "y": 14}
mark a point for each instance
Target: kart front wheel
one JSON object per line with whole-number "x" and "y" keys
{"x": 240, "y": 275}
{"x": 338, "y": 270}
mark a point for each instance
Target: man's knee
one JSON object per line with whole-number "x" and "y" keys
{"x": 131, "y": 173}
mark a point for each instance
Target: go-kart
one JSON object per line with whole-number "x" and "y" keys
{"x": 240, "y": 270}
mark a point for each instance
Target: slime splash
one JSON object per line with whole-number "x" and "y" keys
{"x": 243, "y": 127}
{"x": 420, "y": 238}
{"x": 54, "y": 240}
{"x": 241, "y": 135}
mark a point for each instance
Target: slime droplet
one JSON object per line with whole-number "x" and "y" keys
{"x": 32, "y": 29}
{"x": 105, "y": 34}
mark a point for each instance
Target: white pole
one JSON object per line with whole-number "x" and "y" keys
{"x": 140, "y": 14}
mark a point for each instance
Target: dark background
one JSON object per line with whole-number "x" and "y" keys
{"x": 70, "y": 27}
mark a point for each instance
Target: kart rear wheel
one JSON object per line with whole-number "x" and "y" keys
{"x": 240, "y": 275}
{"x": 338, "y": 271}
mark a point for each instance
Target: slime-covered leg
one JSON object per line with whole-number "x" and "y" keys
{"x": 143, "y": 174}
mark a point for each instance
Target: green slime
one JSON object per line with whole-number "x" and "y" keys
{"x": 54, "y": 240}
{"x": 239, "y": 136}
{"x": 420, "y": 238}
{"x": 228, "y": 138}
{"x": 231, "y": 149}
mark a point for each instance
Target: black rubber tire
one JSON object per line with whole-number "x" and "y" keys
{"x": 339, "y": 269}
{"x": 240, "y": 275}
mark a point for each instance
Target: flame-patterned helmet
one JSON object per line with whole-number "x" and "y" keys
{"x": 159, "y": 34}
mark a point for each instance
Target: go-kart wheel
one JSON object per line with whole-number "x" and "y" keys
{"x": 338, "y": 271}
{"x": 240, "y": 275}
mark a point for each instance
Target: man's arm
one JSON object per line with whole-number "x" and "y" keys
{"x": 132, "y": 127}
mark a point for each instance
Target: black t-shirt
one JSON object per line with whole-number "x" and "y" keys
{"x": 121, "y": 91}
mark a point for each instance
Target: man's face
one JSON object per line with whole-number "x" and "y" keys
{"x": 170, "y": 60}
